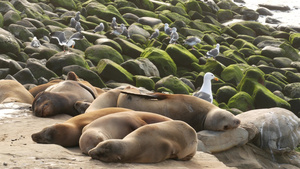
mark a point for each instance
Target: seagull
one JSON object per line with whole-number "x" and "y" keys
{"x": 174, "y": 36}
{"x": 167, "y": 29}
{"x": 73, "y": 22}
{"x": 192, "y": 41}
{"x": 119, "y": 30}
{"x": 78, "y": 27}
{"x": 77, "y": 16}
{"x": 125, "y": 32}
{"x": 214, "y": 52}
{"x": 35, "y": 42}
{"x": 114, "y": 23}
{"x": 154, "y": 34}
{"x": 205, "y": 91}
{"x": 99, "y": 28}
{"x": 62, "y": 41}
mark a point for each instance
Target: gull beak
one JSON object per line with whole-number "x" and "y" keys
{"x": 216, "y": 79}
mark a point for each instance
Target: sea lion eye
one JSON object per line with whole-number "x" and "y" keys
{"x": 225, "y": 127}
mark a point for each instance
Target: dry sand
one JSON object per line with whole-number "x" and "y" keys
{"x": 19, "y": 151}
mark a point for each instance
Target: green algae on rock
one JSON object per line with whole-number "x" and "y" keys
{"x": 174, "y": 84}
{"x": 242, "y": 101}
{"x": 97, "y": 52}
{"x": 180, "y": 55}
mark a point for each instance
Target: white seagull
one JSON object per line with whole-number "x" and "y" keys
{"x": 174, "y": 36}
{"x": 99, "y": 28}
{"x": 205, "y": 91}
{"x": 214, "y": 52}
{"x": 78, "y": 27}
{"x": 73, "y": 22}
{"x": 114, "y": 23}
{"x": 154, "y": 34}
{"x": 77, "y": 16}
{"x": 35, "y": 42}
{"x": 192, "y": 41}
{"x": 62, "y": 41}
{"x": 167, "y": 29}
{"x": 119, "y": 30}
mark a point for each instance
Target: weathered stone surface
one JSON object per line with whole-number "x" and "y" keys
{"x": 141, "y": 66}
{"x": 97, "y": 52}
{"x": 174, "y": 84}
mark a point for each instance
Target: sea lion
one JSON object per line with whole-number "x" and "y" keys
{"x": 198, "y": 113}
{"x": 115, "y": 126}
{"x": 150, "y": 143}
{"x": 13, "y": 91}
{"x": 60, "y": 98}
{"x": 67, "y": 134}
{"x": 37, "y": 89}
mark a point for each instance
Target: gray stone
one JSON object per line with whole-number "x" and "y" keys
{"x": 149, "y": 21}
{"x": 25, "y": 76}
{"x": 292, "y": 90}
{"x": 134, "y": 29}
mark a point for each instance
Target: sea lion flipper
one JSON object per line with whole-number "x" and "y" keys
{"x": 72, "y": 76}
{"x": 158, "y": 96}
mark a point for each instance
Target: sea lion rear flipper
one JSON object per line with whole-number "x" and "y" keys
{"x": 158, "y": 96}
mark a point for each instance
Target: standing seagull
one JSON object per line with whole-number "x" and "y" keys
{"x": 99, "y": 28}
{"x": 119, "y": 30}
{"x": 167, "y": 29}
{"x": 62, "y": 41}
{"x": 214, "y": 52}
{"x": 35, "y": 42}
{"x": 174, "y": 36}
{"x": 77, "y": 16}
{"x": 114, "y": 23}
{"x": 154, "y": 34}
{"x": 192, "y": 41}
{"x": 78, "y": 27}
{"x": 73, "y": 22}
{"x": 125, "y": 32}
{"x": 205, "y": 91}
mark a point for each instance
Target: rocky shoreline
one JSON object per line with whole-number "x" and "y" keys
{"x": 258, "y": 65}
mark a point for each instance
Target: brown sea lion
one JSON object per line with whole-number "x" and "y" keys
{"x": 67, "y": 134}
{"x": 61, "y": 97}
{"x": 150, "y": 143}
{"x": 198, "y": 113}
{"x": 115, "y": 126}
{"x": 37, "y": 89}
{"x": 13, "y": 91}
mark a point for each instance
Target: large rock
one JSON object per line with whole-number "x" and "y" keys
{"x": 11, "y": 17}
{"x": 97, "y": 52}
{"x": 39, "y": 70}
{"x": 129, "y": 48}
{"x": 134, "y": 29}
{"x": 272, "y": 52}
{"x": 68, "y": 4}
{"x": 149, "y": 21}
{"x": 180, "y": 55}
{"x": 141, "y": 66}
{"x": 242, "y": 101}
{"x": 8, "y": 43}
{"x": 174, "y": 84}
{"x": 109, "y": 70}
{"x": 233, "y": 73}
{"x": 276, "y": 130}
{"x": 224, "y": 93}
{"x": 21, "y": 32}
{"x": 164, "y": 63}
{"x": 292, "y": 90}
{"x": 25, "y": 76}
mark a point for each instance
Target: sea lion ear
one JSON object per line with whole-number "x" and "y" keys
{"x": 72, "y": 76}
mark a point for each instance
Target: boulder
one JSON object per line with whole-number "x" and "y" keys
{"x": 129, "y": 48}
{"x": 11, "y": 17}
{"x": 224, "y": 15}
{"x": 281, "y": 62}
{"x": 242, "y": 101}
{"x": 109, "y": 42}
{"x": 39, "y": 70}
{"x": 174, "y": 84}
{"x": 180, "y": 55}
{"x": 141, "y": 66}
{"x": 161, "y": 59}
{"x": 25, "y": 76}
{"x": 264, "y": 11}
{"x": 97, "y": 52}
{"x": 144, "y": 81}
{"x": 254, "y": 59}
{"x": 233, "y": 73}
{"x": 292, "y": 90}
{"x": 8, "y": 43}
{"x": 224, "y": 93}
{"x": 149, "y": 21}
{"x": 134, "y": 29}
{"x": 68, "y": 4}
{"x": 272, "y": 52}
{"x": 109, "y": 70}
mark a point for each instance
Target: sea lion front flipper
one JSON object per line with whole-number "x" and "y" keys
{"x": 158, "y": 96}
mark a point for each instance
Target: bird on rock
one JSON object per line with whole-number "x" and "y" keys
{"x": 119, "y": 30}
{"x": 154, "y": 34}
{"x": 99, "y": 28}
{"x": 73, "y": 22}
{"x": 192, "y": 41}
{"x": 114, "y": 23}
{"x": 78, "y": 27}
{"x": 62, "y": 41}
{"x": 77, "y": 16}
{"x": 35, "y": 42}
{"x": 126, "y": 33}
{"x": 174, "y": 36}
{"x": 205, "y": 91}
{"x": 167, "y": 29}
{"x": 214, "y": 52}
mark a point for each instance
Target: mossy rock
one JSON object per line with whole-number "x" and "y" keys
{"x": 179, "y": 10}
{"x": 141, "y": 66}
{"x": 211, "y": 65}
{"x": 47, "y": 53}
{"x": 209, "y": 39}
{"x": 193, "y": 6}
{"x": 38, "y": 70}
{"x": 54, "y": 23}
{"x": 41, "y": 32}
{"x": 110, "y": 70}
{"x": 292, "y": 90}
{"x": 97, "y": 52}
{"x": 21, "y": 32}
{"x": 191, "y": 32}
{"x": 143, "y": 4}
{"x": 62, "y": 59}
{"x": 272, "y": 78}
{"x": 229, "y": 31}
{"x": 253, "y": 83}
{"x": 290, "y": 52}
{"x": 254, "y": 59}
{"x": 259, "y": 28}
{"x": 144, "y": 81}
{"x": 242, "y": 101}
{"x": 129, "y": 48}
{"x": 272, "y": 86}
{"x": 272, "y": 52}
{"x": 241, "y": 43}
{"x": 224, "y": 93}
{"x": 292, "y": 77}
{"x": 262, "y": 38}
{"x": 25, "y": 76}
{"x": 180, "y": 55}
{"x": 241, "y": 29}
{"x": 235, "y": 55}
{"x": 11, "y": 17}
{"x": 224, "y": 15}
{"x": 282, "y": 62}
{"x": 68, "y": 4}
{"x": 197, "y": 24}
{"x": 295, "y": 40}
{"x": 161, "y": 59}
{"x": 1, "y": 20}
{"x": 104, "y": 12}
{"x": 280, "y": 34}
{"x": 138, "y": 12}
{"x": 164, "y": 90}
{"x": 173, "y": 16}
{"x": 8, "y": 43}
{"x": 174, "y": 84}
{"x": 109, "y": 42}
{"x": 85, "y": 74}
{"x": 233, "y": 73}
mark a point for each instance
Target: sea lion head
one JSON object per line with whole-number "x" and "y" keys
{"x": 220, "y": 120}
{"x": 47, "y": 104}
{"x": 108, "y": 151}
